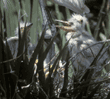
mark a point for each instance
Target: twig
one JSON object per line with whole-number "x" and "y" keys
{"x": 12, "y": 59}
{"x": 43, "y": 92}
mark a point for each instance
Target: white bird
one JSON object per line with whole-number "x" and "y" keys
{"x": 77, "y": 6}
{"x": 13, "y": 41}
{"x": 76, "y": 27}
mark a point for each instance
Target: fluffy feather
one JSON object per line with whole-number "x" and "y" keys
{"x": 80, "y": 39}
{"x": 77, "y": 6}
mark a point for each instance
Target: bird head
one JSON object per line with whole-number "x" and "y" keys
{"x": 75, "y": 23}
{"x": 22, "y": 26}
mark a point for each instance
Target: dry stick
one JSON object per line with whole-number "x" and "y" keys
{"x": 104, "y": 52}
{"x": 106, "y": 63}
{"x": 13, "y": 58}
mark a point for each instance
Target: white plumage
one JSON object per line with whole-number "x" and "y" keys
{"x": 79, "y": 40}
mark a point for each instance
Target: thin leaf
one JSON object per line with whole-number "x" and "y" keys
{"x": 34, "y": 56}
{"x": 31, "y": 4}
{"x": 20, "y": 50}
{"x": 5, "y": 33}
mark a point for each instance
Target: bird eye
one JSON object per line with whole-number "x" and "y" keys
{"x": 81, "y": 21}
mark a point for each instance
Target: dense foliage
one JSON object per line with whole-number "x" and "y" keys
{"x": 46, "y": 71}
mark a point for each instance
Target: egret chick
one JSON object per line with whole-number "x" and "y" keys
{"x": 79, "y": 39}
{"x": 13, "y": 41}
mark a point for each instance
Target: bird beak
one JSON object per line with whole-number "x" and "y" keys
{"x": 64, "y": 22}
{"x": 67, "y": 28}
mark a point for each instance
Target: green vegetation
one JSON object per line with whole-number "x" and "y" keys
{"x": 19, "y": 78}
